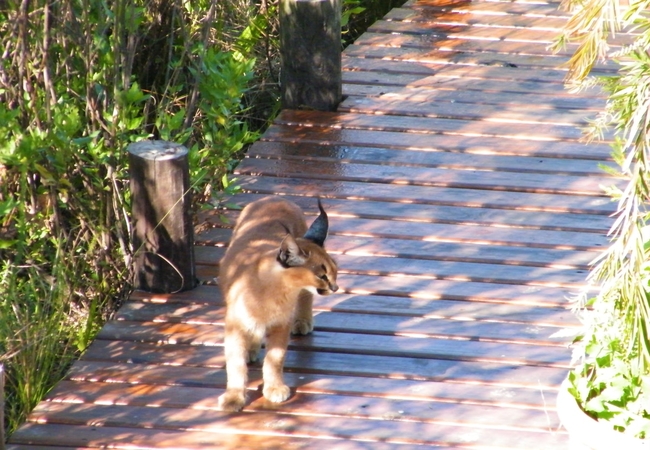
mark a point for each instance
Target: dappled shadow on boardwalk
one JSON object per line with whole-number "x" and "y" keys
{"x": 464, "y": 210}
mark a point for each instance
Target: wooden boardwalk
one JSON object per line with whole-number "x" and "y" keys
{"x": 463, "y": 211}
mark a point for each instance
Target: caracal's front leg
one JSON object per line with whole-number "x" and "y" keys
{"x": 236, "y": 349}
{"x": 303, "y": 322}
{"x": 277, "y": 340}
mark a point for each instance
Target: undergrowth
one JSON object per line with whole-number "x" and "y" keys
{"x": 79, "y": 81}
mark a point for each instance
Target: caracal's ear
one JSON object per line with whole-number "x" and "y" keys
{"x": 290, "y": 255}
{"x": 317, "y": 232}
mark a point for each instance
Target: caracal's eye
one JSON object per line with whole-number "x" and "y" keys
{"x": 324, "y": 277}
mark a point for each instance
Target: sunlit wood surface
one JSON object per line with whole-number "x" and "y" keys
{"x": 464, "y": 210}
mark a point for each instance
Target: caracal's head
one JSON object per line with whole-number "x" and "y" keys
{"x": 317, "y": 269}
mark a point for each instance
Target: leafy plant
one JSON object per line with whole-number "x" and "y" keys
{"x": 612, "y": 380}
{"x": 79, "y": 81}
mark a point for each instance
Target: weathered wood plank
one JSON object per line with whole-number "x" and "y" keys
{"x": 468, "y": 178}
{"x": 434, "y": 346}
{"x": 480, "y": 30}
{"x": 368, "y": 407}
{"x": 441, "y": 266}
{"x": 405, "y": 99}
{"x": 322, "y": 133}
{"x": 354, "y": 381}
{"x": 402, "y": 157}
{"x": 394, "y": 430}
{"x": 479, "y": 47}
{"x": 208, "y": 298}
{"x": 433, "y": 232}
{"x": 438, "y": 251}
{"x": 374, "y": 323}
{"x": 99, "y": 436}
{"x": 133, "y": 357}
{"x": 413, "y": 212}
{"x": 373, "y": 84}
{"x": 374, "y": 264}
{"x": 534, "y": 8}
{"x": 432, "y": 126}
{"x": 474, "y": 198}
{"x": 492, "y": 73}
{"x": 121, "y": 391}
{"x": 474, "y": 16}
{"x": 414, "y": 287}
{"x": 466, "y": 111}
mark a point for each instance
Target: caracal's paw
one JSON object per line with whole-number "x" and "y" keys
{"x": 277, "y": 394}
{"x": 302, "y": 326}
{"x": 232, "y": 400}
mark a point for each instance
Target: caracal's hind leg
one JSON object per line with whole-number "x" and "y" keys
{"x": 303, "y": 322}
{"x": 277, "y": 340}
{"x": 236, "y": 349}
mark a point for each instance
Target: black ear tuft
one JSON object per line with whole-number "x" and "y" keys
{"x": 318, "y": 230}
{"x": 290, "y": 254}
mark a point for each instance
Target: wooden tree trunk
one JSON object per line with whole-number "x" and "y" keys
{"x": 310, "y": 47}
{"x": 163, "y": 236}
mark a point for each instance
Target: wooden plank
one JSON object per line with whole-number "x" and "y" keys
{"x": 431, "y": 126}
{"x": 474, "y": 198}
{"x": 153, "y": 394}
{"x": 468, "y": 178}
{"x": 371, "y": 322}
{"x": 447, "y": 233}
{"x": 425, "y": 96}
{"x": 452, "y": 270}
{"x": 474, "y": 17}
{"x": 463, "y": 31}
{"x": 395, "y": 430}
{"x": 478, "y": 72}
{"x": 385, "y": 104}
{"x": 201, "y": 361}
{"x": 210, "y": 254}
{"x": 500, "y": 51}
{"x": 390, "y": 101}
{"x": 535, "y": 9}
{"x": 401, "y": 157}
{"x": 476, "y": 31}
{"x": 428, "y": 55}
{"x": 413, "y": 212}
{"x": 373, "y": 84}
{"x": 368, "y": 407}
{"x": 321, "y": 133}
{"x": 434, "y": 346}
{"x": 208, "y": 298}
{"x": 381, "y": 84}
{"x": 427, "y": 290}
{"x": 414, "y": 287}
{"x": 101, "y": 436}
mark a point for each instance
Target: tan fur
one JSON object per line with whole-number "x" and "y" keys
{"x": 267, "y": 298}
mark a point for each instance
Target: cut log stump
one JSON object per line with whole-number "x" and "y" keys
{"x": 163, "y": 236}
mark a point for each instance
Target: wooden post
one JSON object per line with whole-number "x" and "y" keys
{"x": 310, "y": 48}
{"x": 163, "y": 236}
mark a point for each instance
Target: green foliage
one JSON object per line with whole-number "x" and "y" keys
{"x": 612, "y": 380}
{"x": 79, "y": 81}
